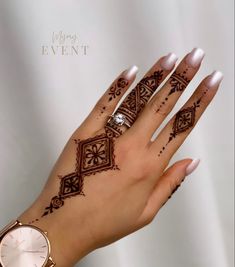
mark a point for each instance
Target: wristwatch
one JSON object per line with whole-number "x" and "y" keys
{"x": 23, "y": 245}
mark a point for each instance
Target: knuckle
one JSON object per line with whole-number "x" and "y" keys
{"x": 149, "y": 216}
{"x": 173, "y": 184}
{"x": 125, "y": 151}
{"x": 157, "y": 108}
{"x": 205, "y": 95}
{"x": 148, "y": 219}
{"x": 205, "y": 99}
{"x": 101, "y": 107}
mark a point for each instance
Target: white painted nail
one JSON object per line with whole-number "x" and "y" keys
{"x": 214, "y": 79}
{"x": 168, "y": 62}
{"x": 195, "y": 57}
{"x": 192, "y": 166}
{"x": 131, "y": 72}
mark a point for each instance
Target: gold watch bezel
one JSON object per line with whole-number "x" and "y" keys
{"x": 15, "y": 225}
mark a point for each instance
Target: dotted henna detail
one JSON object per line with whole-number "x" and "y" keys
{"x": 184, "y": 120}
{"x": 93, "y": 155}
{"x": 178, "y": 83}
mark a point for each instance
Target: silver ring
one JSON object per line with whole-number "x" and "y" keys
{"x": 119, "y": 119}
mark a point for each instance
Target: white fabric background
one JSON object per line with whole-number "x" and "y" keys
{"x": 44, "y": 98}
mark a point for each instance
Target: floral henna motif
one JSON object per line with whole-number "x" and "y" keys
{"x": 56, "y": 203}
{"x": 93, "y": 155}
{"x": 116, "y": 89}
{"x": 184, "y": 120}
{"x": 178, "y": 83}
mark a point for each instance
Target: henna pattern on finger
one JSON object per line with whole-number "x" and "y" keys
{"x": 93, "y": 155}
{"x": 138, "y": 97}
{"x": 136, "y": 100}
{"x": 184, "y": 120}
{"x": 116, "y": 89}
{"x": 178, "y": 83}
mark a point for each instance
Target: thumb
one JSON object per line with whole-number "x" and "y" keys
{"x": 167, "y": 184}
{"x": 173, "y": 177}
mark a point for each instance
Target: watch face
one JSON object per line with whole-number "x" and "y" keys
{"x": 24, "y": 246}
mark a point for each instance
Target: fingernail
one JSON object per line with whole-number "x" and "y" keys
{"x": 131, "y": 72}
{"x": 192, "y": 166}
{"x": 195, "y": 57}
{"x": 168, "y": 62}
{"x": 214, "y": 79}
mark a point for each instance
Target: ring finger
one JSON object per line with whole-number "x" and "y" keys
{"x": 135, "y": 101}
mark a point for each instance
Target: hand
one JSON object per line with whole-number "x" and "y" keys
{"x": 110, "y": 179}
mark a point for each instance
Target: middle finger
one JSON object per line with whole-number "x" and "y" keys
{"x": 165, "y": 99}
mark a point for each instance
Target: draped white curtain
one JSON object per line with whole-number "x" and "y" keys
{"x": 43, "y": 98}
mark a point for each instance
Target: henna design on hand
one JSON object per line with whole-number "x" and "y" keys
{"x": 96, "y": 154}
{"x": 93, "y": 155}
{"x": 136, "y": 100}
{"x": 116, "y": 89}
{"x": 184, "y": 120}
{"x": 178, "y": 83}
{"x": 138, "y": 97}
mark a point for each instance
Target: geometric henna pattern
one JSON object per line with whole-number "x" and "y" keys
{"x": 71, "y": 185}
{"x": 93, "y": 155}
{"x": 136, "y": 100}
{"x": 178, "y": 83}
{"x": 184, "y": 120}
{"x": 139, "y": 96}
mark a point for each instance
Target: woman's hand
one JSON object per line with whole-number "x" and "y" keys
{"x": 110, "y": 179}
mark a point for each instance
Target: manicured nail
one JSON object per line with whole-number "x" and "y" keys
{"x": 195, "y": 57}
{"x": 192, "y": 166}
{"x": 168, "y": 62}
{"x": 131, "y": 72}
{"x": 214, "y": 79}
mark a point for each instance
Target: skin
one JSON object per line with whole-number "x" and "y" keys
{"x": 118, "y": 202}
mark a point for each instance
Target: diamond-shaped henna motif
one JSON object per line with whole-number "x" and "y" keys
{"x": 184, "y": 120}
{"x": 71, "y": 185}
{"x": 95, "y": 155}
